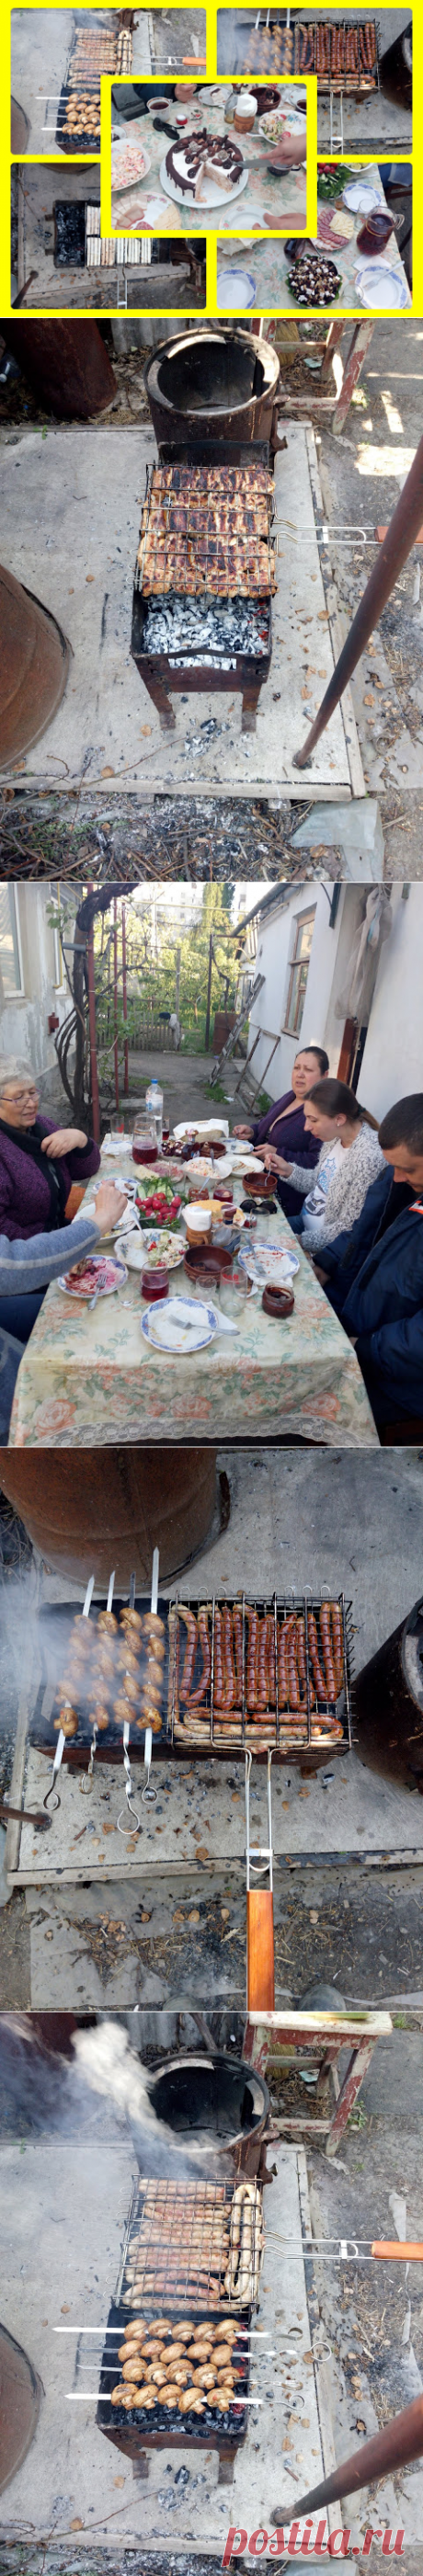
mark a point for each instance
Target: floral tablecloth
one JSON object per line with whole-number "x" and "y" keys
{"x": 88, "y": 1378}
{"x": 266, "y": 201}
{"x": 264, "y": 262}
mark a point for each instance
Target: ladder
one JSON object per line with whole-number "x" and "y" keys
{"x": 231, "y": 1041}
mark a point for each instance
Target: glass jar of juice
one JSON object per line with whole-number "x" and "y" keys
{"x": 144, "y": 1141}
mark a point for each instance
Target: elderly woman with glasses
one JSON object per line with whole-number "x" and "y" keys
{"x": 40, "y": 1164}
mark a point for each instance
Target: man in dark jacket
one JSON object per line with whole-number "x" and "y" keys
{"x": 343, "y": 1259}
{"x": 383, "y": 1312}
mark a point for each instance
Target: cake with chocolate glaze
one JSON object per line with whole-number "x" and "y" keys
{"x": 204, "y": 156}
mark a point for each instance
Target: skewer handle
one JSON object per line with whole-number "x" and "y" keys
{"x": 397, "y": 2253}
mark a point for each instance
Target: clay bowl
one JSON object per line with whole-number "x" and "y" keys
{"x": 277, "y": 1302}
{"x": 207, "y": 1266}
{"x": 261, "y": 1186}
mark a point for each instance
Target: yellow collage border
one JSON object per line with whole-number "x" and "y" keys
{"x": 272, "y": 312}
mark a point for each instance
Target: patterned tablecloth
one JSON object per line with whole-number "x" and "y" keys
{"x": 88, "y": 1378}
{"x": 266, "y": 201}
{"x": 264, "y": 262}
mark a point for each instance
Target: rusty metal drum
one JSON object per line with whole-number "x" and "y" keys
{"x": 90, "y": 1509}
{"x": 66, "y": 364}
{"x": 34, "y": 665}
{"x": 209, "y": 386}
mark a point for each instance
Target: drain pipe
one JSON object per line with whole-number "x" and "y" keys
{"x": 400, "y": 537}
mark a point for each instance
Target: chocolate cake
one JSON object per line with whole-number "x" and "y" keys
{"x": 204, "y": 156}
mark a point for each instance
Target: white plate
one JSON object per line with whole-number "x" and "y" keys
{"x": 270, "y": 1261}
{"x": 212, "y": 195}
{"x": 235, "y": 293}
{"x": 381, "y": 287}
{"x": 136, "y": 1249}
{"x": 85, "y": 1295}
{"x": 361, "y": 197}
{"x": 181, "y": 1325}
{"x": 202, "y": 1168}
{"x": 281, "y": 120}
{"x": 132, "y": 178}
{"x": 216, "y": 1130}
{"x": 245, "y": 1162}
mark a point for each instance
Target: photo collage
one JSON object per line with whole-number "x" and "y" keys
{"x": 211, "y": 1309}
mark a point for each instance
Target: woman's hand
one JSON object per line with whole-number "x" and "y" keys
{"x": 274, "y": 1162}
{"x": 243, "y": 1131}
{"x": 322, "y": 1275}
{"x": 63, "y": 1141}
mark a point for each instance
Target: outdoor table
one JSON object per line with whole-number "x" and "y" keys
{"x": 265, "y": 264}
{"x": 88, "y": 1378}
{"x": 279, "y": 201}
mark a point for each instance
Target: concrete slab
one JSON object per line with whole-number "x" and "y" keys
{"x": 202, "y": 1814}
{"x": 358, "y": 830}
{"x": 73, "y": 505}
{"x": 61, "y": 2238}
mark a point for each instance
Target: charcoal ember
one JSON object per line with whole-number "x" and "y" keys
{"x": 177, "y": 625}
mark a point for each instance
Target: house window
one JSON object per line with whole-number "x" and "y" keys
{"x": 11, "y": 978}
{"x": 298, "y": 972}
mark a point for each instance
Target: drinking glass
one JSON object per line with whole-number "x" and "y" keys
{"x": 233, "y": 1293}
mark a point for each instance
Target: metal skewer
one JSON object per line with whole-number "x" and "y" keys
{"x": 86, "y": 1780}
{"x": 149, "y": 1795}
{"x": 61, "y": 1740}
{"x": 122, "y": 1826}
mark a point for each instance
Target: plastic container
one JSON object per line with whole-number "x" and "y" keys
{"x": 154, "y": 1107}
{"x": 245, "y": 112}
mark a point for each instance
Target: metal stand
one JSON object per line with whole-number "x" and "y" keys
{"x": 278, "y": 2039}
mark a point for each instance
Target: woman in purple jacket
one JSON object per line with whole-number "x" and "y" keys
{"x": 284, "y": 1126}
{"x": 38, "y": 1165}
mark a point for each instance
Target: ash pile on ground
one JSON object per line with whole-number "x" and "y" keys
{"x": 168, "y": 836}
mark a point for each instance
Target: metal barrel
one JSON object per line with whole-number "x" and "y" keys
{"x": 210, "y": 385}
{"x": 389, "y": 1703}
{"x": 90, "y": 1509}
{"x": 66, "y": 364}
{"x": 34, "y": 664}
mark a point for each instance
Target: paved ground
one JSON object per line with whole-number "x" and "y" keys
{"x": 363, "y": 474}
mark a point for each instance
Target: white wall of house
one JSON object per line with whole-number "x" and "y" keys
{"x": 393, "y": 1056}
{"x": 31, "y": 982}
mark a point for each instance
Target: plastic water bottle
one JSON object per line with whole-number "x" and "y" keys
{"x": 154, "y": 1105}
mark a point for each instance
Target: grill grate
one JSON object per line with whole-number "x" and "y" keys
{"x": 308, "y": 1728}
{"x": 272, "y": 1676}
{"x": 78, "y": 116}
{"x": 205, "y": 530}
{"x": 181, "y": 2246}
{"x": 344, "y": 57}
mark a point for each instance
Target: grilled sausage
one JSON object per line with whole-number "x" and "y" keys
{"x": 203, "y": 1684}
{"x": 190, "y": 1652}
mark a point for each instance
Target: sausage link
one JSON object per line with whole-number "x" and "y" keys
{"x": 314, "y": 1658}
{"x": 337, "y": 1643}
{"x": 190, "y": 1651}
{"x": 219, "y": 1683}
{"x": 252, "y": 1655}
{"x": 204, "y": 1640}
{"x": 272, "y": 1662}
{"x": 237, "y": 1629}
{"x": 326, "y": 1643}
{"x": 293, "y": 1682}
{"x": 301, "y": 1657}
{"x": 228, "y": 1658}
{"x": 262, "y": 1675}
{"x": 283, "y": 1635}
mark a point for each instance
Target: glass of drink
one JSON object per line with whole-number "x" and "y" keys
{"x": 233, "y": 1293}
{"x": 144, "y": 1141}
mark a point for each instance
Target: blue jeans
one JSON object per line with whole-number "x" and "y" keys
{"x": 17, "y": 1318}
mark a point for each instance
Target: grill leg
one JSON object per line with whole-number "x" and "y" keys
{"x": 161, "y": 700}
{"x": 226, "y": 2468}
{"x": 250, "y": 699}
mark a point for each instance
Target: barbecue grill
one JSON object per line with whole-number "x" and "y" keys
{"x": 202, "y": 603}
{"x": 308, "y": 1725}
{"x": 203, "y": 583}
{"x": 192, "y": 2251}
{"x": 93, "y": 50}
{"x": 344, "y": 56}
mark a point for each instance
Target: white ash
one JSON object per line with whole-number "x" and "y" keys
{"x": 178, "y": 625}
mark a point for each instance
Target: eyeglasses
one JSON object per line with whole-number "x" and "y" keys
{"x": 17, "y": 1097}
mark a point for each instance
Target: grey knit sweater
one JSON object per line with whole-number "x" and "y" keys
{"x": 346, "y": 1192}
